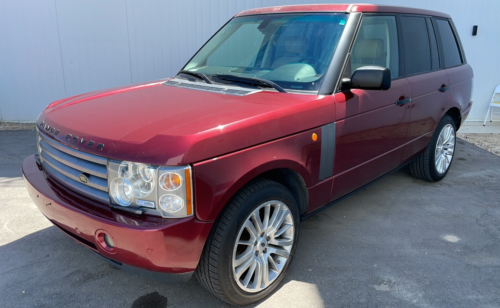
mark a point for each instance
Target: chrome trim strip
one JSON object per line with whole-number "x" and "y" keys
{"x": 74, "y": 162}
{"x": 76, "y": 186}
{"x": 93, "y": 181}
{"x": 85, "y": 156}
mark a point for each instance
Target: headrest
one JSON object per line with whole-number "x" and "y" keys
{"x": 296, "y": 44}
{"x": 369, "y": 49}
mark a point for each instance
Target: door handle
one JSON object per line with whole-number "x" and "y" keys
{"x": 444, "y": 88}
{"x": 403, "y": 101}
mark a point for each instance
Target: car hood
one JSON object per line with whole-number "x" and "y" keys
{"x": 160, "y": 124}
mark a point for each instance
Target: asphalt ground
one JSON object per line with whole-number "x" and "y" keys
{"x": 400, "y": 242}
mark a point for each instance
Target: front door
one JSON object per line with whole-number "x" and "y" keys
{"x": 371, "y": 130}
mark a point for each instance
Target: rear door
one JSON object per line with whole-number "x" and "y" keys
{"x": 428, "y": 81}
{"x": 454, "y": 62}
{"x": 372, "y": 128}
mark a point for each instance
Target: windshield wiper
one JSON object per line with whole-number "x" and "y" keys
{"x": 195, "y": 74}
{"x": 256, "y": 81}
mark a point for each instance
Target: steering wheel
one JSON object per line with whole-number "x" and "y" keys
{"x": 315, "y": 62}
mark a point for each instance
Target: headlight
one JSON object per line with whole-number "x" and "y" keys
{"x": 164, "y": 191}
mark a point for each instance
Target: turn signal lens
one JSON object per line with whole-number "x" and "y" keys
{"x": 170, "y": 181}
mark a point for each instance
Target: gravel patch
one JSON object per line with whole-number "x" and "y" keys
{"x": 17, "y": 126}
{"x": 488, "y": 142}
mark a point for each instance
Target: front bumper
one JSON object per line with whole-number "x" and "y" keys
{"x": 163, "y": 249}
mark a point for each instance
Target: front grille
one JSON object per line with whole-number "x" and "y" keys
{"x": 65, "y": 165}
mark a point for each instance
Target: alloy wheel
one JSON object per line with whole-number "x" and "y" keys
{"x": 263, "y": 246}
{"x": 445, "y": 147}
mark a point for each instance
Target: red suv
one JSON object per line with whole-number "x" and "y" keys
{"x": 281, "y": 113}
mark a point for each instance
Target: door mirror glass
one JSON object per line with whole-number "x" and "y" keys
{"x": 371, "y": 78}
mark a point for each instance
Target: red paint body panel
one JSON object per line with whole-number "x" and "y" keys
{"x": 213, "y": 188}
{"x": 200, "y": 124}
{"x": 373, "y": 126}
{"x": 460, "y": 78}
{"x": 348, "y": 8}
{"x": 155, "y": 244}
{"x": 427, "y": 107}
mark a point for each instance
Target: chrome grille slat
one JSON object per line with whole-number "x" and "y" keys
{"x": 94, "y": 181}
{"x": 85, "y": 156}
{"x": 66, "y": 165}
{"x": 76, "y": 186}
{"x": 74, "y": 162}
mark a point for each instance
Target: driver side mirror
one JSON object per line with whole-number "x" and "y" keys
{"x": 368, "y": 78}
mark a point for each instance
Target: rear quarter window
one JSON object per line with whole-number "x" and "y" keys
{"x": 416, "y": 45}
{"x": 449, "y": 44}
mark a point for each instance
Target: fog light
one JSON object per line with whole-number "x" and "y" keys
{"x": 105, "y": 241}
{"x": 109, "y": 241}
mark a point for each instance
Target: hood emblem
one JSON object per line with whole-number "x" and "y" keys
{"x": 51, "y": 130}
{"x": 83, "y": 178}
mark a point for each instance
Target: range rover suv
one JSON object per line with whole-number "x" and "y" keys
{"x": 281, "y": 113}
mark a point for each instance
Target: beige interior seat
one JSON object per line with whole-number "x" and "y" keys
{"x": 368, "y": 52}
{"x": 295, "y": 48}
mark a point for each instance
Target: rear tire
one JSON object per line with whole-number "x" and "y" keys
{"x": 233, "y": 243}
{"x": 434, "y": 163}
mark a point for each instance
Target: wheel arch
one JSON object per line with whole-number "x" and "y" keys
{"x": 455, "y": 114}
{"x": 294, "y": 176}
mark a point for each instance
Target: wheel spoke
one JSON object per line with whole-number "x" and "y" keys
{"x": 265, "y": 271}
{"x": 438, "y": 163}
{"x": 244, "y": 256}
{"x": 272, "y": 263}
{"x": 248, "y": 243}
{"x": 443, "y": 165}
{"x": 257, "y": 223}
{"x": 267, "y": 211}
{"x": 281, "y": 242}
{"x": 279, "y": 221}
{"x": 283, "y": 229}
{"x": 279, "y": 251}
{"x": 242, "y": 268}
{"x": 250, "y": 273}
{"x": 276, "y": 213}
{"x": 251, "y": 229}
{"x": 257, "y": 280}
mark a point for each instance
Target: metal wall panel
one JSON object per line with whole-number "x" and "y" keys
{"x": 52, "y": 49}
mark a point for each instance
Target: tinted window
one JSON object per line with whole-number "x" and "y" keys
{"x": 376, "y": 44}
{"x": 450, "y": 51}
{"x": 434, "y": 48}
{"x": 416, "y": 45}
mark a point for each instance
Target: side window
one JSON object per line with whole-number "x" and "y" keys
{"x": 376, "y": 44}
{"x": 451, "y": 53}
{"x": 416, "y": 45}
{"x": 434, "y": 48}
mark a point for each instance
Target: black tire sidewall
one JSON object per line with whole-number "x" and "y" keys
{"x": 436, "y": 176}
{"x": 273, "y": 191}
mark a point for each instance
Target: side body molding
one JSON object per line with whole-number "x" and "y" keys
{"x": 327, "y": 151}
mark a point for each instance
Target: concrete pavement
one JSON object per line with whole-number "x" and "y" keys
{"x": 400, "y": 242}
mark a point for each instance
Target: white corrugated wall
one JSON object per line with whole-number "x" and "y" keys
{"x": 51, "y": 49}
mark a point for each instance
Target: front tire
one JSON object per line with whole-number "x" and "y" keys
{"x": 434, "y": 163}
{"x": 252, "y": 244}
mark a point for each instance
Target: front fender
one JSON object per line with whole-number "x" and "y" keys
{"x": 217, "y": 180}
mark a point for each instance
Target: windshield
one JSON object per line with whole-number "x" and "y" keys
{"x": 292, "y": 50}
